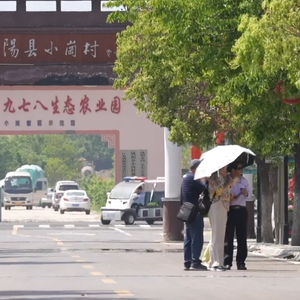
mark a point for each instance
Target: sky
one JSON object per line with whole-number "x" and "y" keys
{"x": 50, "y": 6}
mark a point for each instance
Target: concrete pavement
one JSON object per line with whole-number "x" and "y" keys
{"x": 68, "y": 264}
{"x": 122, "y": 262}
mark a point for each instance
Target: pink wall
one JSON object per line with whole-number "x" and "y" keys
{"x": 135, "y": 132}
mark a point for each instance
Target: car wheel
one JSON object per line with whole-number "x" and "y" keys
{"x": 30, "y": 207}
{"x": 105, "y": 222}
{"x": 129, "y": 218}
{"x": 5, "y": 207}
{"x": 49, "y": 206}
{"x": 150, "y": 222}
{"x": 55, "y": 208}
{"x": 27, "y": 207}
{"x": 87, "y": 212}
{"x": 43, "y": 206}
{"x": 62, "y": 212}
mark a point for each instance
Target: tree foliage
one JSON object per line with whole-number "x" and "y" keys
{"x": 268, "y": 49}
{"x": 173, "y": 58}
{"x": 61, "y": 156}
{"x": 201, "y": 66}
{"x": 97, "y": 188}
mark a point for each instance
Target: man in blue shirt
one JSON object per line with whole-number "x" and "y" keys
{"x": 193, "y": 240}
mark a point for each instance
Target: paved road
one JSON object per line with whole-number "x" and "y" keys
{"x": 121, "y": 262}
{"x": 38, "y": 214}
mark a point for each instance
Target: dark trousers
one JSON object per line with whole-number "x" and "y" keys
{"x": 193, "y": 242}
{"x": 236, "y": 222}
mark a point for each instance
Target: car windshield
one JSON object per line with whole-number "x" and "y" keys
{"x": 68, "y": 187}
{"x": 123, "y": 190}
{"x": 78, "y": 194}
{"x": 18, "y": 184}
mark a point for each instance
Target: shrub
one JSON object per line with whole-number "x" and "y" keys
{"x": 96, "y": 188}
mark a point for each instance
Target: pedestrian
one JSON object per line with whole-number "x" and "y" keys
{"x": 193, "y": 240}
{"x": 237, "y": 220}
{"x": 220, "y": 184}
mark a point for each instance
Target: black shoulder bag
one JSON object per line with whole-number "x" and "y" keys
{"x": 187, "y": 211}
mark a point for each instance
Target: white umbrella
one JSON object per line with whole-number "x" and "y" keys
{"x": 221, "y": 156}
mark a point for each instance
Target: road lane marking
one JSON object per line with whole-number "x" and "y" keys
{"x": 16, "y": 228}
{"x": 44, "y": 226}
{"x": 119, "y": 230}
{"x": 69, "y": 226}
{"x": 58, "y": 242}
{"x": 124, "y": 293}
{"x": 94, "y": 225}
{"x": 108, "y": 280}
{"x": 76, "y": 256}
{"x": 120, "y": 225}
{"x": 145, "y": 226}
{"x": 97, "y": 273}
{"x": 88, "y": 267}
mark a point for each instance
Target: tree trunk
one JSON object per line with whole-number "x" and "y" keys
{"x": 296, "y": 217}
{"x": 266, "y": 200}
{"x": 273, "y": 177}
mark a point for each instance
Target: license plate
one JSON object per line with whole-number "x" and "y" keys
{"x": 111, "y": 215}
{"x": 75, "y": 205}
{"x": 19, "y": 203}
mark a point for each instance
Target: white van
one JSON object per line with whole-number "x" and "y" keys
{"x": 18, "y": 190}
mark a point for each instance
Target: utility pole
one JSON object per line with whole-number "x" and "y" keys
{"x": 172, "y": 227}
{"x": 21, "y": 5}
{"x": 258, "y": 226}
{"x": 286, "y": 200}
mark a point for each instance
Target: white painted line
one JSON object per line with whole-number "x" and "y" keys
{"x": 44, "y": 226}
{"x": 119, "y": 230}
{"x": 94, "y": 225}
{"x": 69, "y": 226}
{"x": 120, "y": 225}
{"x": 18, "y": 226}
{"x": 145, "y": 226}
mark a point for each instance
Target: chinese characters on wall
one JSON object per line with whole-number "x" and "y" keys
{"x": 59, "y": 48}
{"x": 134, "y": 163}
{"x": 57, "y": 106}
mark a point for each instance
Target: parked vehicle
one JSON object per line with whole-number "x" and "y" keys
{"x": 75, "y": 200}
{"x": 39, "y": 181}
{"x": 18, "y": 190}
{"x": 135, "y": 198}
{"x": 47, "y": 201}
{"x": 60, "y": 188}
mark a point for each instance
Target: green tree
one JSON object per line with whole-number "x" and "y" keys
{"x": 8, "y": 157}
{"x": 57, "y": 169}
{"x": 92, "y": 147}
{"x": 176, "y": 61}
{"x": 97, "y": 189}
{"x": 266, "y": 54}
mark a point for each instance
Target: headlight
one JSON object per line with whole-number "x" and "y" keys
{"x": 6, "y": 199}
{"x": 29, "y": 199}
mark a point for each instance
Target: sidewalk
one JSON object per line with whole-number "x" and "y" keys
{"x": 274, "y": 250}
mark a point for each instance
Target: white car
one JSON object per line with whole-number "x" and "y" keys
{"x": 75, "y": 200}
{"x": 59, "y": 189}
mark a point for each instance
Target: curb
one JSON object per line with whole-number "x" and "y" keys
{"x": 277, "y": 251}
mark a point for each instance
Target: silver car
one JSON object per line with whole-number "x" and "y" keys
{"x": 47, "y": 201}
